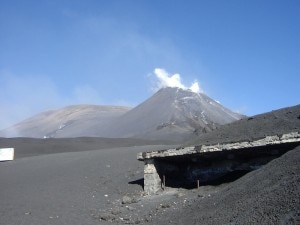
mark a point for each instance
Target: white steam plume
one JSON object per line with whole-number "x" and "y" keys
{"x": 167, "y": 80}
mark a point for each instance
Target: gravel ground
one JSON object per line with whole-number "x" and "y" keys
{"x": 67, "y": 182}
{"x": 68, "y": 188}
{"x": 105, "y": 187}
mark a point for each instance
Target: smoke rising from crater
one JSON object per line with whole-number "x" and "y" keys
{"x": 168, "y": 80}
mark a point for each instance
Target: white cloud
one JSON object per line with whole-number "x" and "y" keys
{"x": 86, "y": 94}
{"x": 24, "y": 96}
{"x": 168, "y": 80}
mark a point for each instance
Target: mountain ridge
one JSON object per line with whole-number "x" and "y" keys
{"x": 171, "y": 113}
{"x": 49, "y": 123}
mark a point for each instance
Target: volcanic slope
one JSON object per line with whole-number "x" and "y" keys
{"x": 276, "y": 122}
{"x": 71, "y": 121}
{"x": 171, "y": 114}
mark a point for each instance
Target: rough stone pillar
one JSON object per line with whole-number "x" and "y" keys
{"x": 152, "y": 182}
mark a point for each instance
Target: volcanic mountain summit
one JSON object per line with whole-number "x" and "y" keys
{"x": 170, "y": 114}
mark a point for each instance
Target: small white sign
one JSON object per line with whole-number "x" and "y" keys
{"x": 6, "y": 154}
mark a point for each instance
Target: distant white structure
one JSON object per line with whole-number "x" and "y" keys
{"x": 6, "y": 154}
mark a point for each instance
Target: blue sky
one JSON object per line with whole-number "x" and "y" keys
{"x": 245, "y": 54}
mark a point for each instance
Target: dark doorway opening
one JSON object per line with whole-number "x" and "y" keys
{"x": 215, "y": 168}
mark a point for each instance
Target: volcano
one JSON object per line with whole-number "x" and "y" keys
{"x": 170, "y": 114}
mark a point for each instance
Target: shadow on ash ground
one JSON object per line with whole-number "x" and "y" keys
{"x": 270, "y": 195}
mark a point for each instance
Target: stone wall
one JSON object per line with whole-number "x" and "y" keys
{"x": 152, "y": 181}
{"x": 185, "y": 166}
